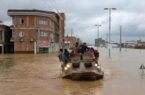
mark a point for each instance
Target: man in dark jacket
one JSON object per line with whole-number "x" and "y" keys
{"x": 83, "y": 48}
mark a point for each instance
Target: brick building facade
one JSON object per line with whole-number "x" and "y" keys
{"x": 36, "y": 30}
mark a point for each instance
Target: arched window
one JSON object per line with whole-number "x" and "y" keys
{"x": 21, "y": 34}
{"x": 21, "y": 20}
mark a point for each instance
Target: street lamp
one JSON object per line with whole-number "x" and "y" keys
{"x": 109, "y": 9}
{"x": 97, "y": 25}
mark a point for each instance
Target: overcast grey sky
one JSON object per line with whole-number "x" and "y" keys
{"x": 82, "y": 15}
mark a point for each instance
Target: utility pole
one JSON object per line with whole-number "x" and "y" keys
{"x": 109, "y": 9}
{"x": 71, "y": 32}
{"x": 107, "y": 40}
{"x": 38, "y": 39}
{"x": 120, "y": 38}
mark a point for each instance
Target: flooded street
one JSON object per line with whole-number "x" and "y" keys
{"x": 22, "y": 74}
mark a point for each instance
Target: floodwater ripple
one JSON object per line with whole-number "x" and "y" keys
{"x": 22, "y": 74}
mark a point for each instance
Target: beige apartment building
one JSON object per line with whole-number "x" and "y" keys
{"x": 36, "y": 31}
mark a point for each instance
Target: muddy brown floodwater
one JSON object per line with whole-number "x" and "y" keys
{"x": 22, "y": 74}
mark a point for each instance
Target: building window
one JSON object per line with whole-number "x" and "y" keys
{"x": 21, "y": 21}
{"x": 1, "y": 35}
{"x": 44, "y": 22}
{"x": 27, "y": 26}
{"x": 21, "y": 34}
{"x": 43, "y": 34}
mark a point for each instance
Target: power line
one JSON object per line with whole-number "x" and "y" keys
{"x": 71, "y": 32}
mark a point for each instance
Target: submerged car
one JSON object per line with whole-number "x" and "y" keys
{"x": 82, "y": 67}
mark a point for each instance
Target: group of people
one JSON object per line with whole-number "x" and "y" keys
{"x": 82, "y": 48}
{"x": 65, "y": 55}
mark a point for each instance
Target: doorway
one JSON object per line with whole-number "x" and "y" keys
{"x": 0, "y": 50}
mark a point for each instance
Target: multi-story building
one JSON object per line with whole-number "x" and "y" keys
{"x": 36, "y": 30}
{"x": 6, "y": 46}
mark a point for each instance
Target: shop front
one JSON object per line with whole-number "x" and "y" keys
{"x": 43, "y": 47}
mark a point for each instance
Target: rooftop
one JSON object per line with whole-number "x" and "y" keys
{"x": 2, "y": 25}
{"x": 30, "y": 10}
